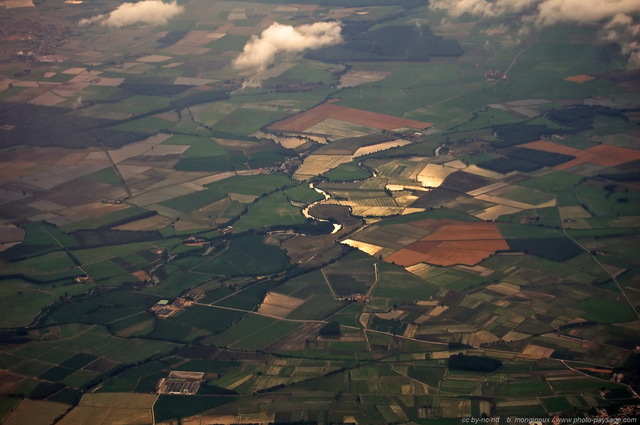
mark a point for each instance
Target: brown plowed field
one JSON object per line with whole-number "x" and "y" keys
{"x": 327, "y": 110}
{"x": 543, "y": 145}
{"x": 450, "y": 244}
{"x": 605, "y": 155}
{"x": 450, "y": 257}
{"x": 476, "y": 245}
{"x": 431, "y": 224}
{"x": 423, "y": 246}
{"x": 582, "y": 78}
{"x": 465, "y": 231}
{"x": 406, "y": 257}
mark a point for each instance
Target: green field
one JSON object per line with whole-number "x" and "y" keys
{"x": 347, "y": 172}
{"x": 248, "y": 255}
{"x": 303, "y": 193}
{"x": 210, "y": 319}
{"x": 252, "y": 185}
{"x": 272, "y": 210}
{"x": 606, "y": 311}
{"x": 23, "y": 301}
{"x": 395, "y": 283}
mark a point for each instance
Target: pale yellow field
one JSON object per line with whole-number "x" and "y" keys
{"x": 432, "y": 175}
{"x": 355, "y": 78}
{"x": 112, "y": 409}
{"x": 138, "y": 148}
{"x": 504, "y": 288}
{"x": 514, "y": 204}
{"x": 366, "y": 150}
{"x": 155, "y": 196}
{"x": 515, "y": 336}
{"x": 363, "y": 246}
{"x": 47, "y": 99}
{"x": 493, "y": 213}
{"x": 574, "y": 212}
{"x": 193, "y": 81}
{"x": 154, "y": 58}
{"x": 474, "y": 169}
{"x": 279, "y": 305}
{"x": 480, "y": 337}
{"x": 314, "y": 165}
{"x": 338, "y": 129}
{"x": 285, "y": 141}
{"x": 537, "y": 352}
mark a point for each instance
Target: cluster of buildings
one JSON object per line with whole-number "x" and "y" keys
{"x": 359, "y": 298}
{"x": 40, "y": 40}
{"x": 180, "y": 382}
{"x": 165, "y": 308}
{"x": 288, "y": 166}
{"x": 494, "y": 75}
{"x": 626, "y": 414}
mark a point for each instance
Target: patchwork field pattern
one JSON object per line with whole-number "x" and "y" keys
{"x": 165, "y": 214}
{"x": 450, "y": 244}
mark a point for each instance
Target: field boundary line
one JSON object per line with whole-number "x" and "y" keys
{"x": 262, "y": 314}
{"x": 328, "y": 283}
{"x": 624, "y": 294}
{"x": 375, "y": 281}
{"x": 153, "y": 415}
{"x": 115, "y": 168}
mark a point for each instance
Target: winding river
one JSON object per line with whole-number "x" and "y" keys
{"x": 305, "y": 212}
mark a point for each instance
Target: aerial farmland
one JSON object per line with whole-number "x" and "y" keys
{"x": 322, "y": 212}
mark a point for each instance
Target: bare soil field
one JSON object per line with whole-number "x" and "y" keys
{"x": 546, "y": 146}
{"x": 279, "y": 305}
{"x": 11, "y": 233}
{"x": 154, "y": 59}
{"x": 465, "y": 231}
{"x": 582, "y": 78}
{"x": 316, "y": 115}
{"x": 605, "y": 155}
{"x": 452, "y": 243}
{"x": 197, "y": 37}
{"x": 8, "y": 381}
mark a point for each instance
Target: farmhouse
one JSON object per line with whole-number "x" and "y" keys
{"x": 164, "y": 309}
{"x": 83, "y": 279}
{"x": 179, "y": 382}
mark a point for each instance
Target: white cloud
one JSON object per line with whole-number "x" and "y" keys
{"x": 622, "y": 28}
{"x": 482, "y": 8}
{"x": 550, "y": 12}
{"x": 260, "y": 52}
{"x": 150, "y": 12}
{"x": 541, "y": 12}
